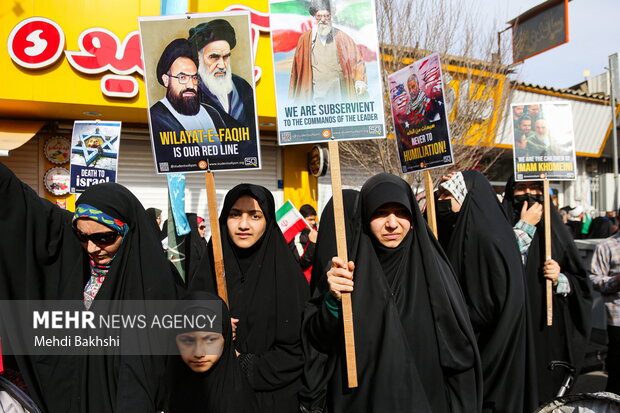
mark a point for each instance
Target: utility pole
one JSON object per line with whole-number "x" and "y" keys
{"x": 613, "y": 92}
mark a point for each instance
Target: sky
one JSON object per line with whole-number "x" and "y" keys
{"x": 594, "y": 35}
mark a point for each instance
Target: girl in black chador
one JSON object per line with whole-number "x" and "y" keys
{"x": 267, "y": 292}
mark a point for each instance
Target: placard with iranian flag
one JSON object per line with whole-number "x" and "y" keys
{"x": 290, "y": 221}
{"x": 327, "y": 71}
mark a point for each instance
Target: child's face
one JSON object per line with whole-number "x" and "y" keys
{"x": 200, "y": 350}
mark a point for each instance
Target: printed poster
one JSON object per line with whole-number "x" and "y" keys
{"x": 199, "y": 75}
{"x": 543, "y": 141}
{"x": 327, "y": 71}
{"x": 94, "y": 153}
{"x": 419, "y": 113}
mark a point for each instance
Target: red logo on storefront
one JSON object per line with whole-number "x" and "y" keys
{"x": 101, "y": 50}
{"x": 38, "y": 42}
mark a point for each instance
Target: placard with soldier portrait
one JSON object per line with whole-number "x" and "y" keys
{"x": 420, "y": 118}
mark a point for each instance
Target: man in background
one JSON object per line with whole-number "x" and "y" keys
{"x": 304, "y": 243}
{"x": 605, "y": 276}
{"x": 604, "y": 226}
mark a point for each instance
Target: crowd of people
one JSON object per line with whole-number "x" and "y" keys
{"x": 448, "y": 323}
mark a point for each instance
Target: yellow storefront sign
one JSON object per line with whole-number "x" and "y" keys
{"x": 66, "y": 58}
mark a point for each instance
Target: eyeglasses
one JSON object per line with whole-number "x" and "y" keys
{"x": 98, "y": 238}
{"x": 202, "y": 227}
{"x": 183, "y": 78}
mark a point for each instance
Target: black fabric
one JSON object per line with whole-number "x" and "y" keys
{"x": 326, "y": 240}
{"x": 567, "y": 337}
{"x": 575, "y": 228}
{"x": 153, "y": 214}
{"x": 195, "y": 248}
{"x": 192, "y": 248}
{"x": 175, "y": 49}
{"x": 415, "y": 348}
{"x": 307, "y": 257}
{"x": 318, "y": 367}
{"x": 162, "y": 120}
{"x": 214, "y": 30}
{"x": 267, "y": 293}
{"x": 446, "y": 219}
{"x": 221, "y": 389}
{"x": 531, "y": 199}
{"x": 42, "y": 259}
{"x": 246, "y": 95}
{"x": 601, "y": 227}
{"x": 612, "y": 362}
{"x": 485, "y": 256}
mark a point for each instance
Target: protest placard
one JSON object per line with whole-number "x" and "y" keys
{"x": 419, "y": 113}
{"x": 544, "y": 149}
{"x": 327, "y": 71}
{"x": 199, "y": 76}
{"x": 543, "y": 141}
{"x": 94, "y": 153}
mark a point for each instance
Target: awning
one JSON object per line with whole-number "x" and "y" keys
{"x": 15, "y": 133}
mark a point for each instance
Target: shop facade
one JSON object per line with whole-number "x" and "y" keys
{"x": 65, "y": 62}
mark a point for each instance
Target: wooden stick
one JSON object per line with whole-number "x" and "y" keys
{"x": 218, "y": 255}
{"x": 430, "y": 202}
{"x": 547, "y": 218}
{"x": 341, "y": 243}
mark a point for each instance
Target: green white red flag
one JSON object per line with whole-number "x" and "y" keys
{"x": 294, "y": 19}
{"x": 290, "y": 221}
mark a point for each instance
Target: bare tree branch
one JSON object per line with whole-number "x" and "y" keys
{"x": 475, "y": 84}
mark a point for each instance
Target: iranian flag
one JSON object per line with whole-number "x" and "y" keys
{"x": 290, "y": 221}
{"x": 290, "y": 18}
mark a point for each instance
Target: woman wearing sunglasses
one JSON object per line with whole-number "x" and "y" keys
{"x": 107, "y": 250}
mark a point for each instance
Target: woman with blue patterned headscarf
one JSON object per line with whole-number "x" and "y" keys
{"x": 108, "y": 250}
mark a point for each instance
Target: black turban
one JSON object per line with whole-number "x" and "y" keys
{"x": 177, "y": 48}
{"x": 212, "y": 31}
{"x": 317, "y": 5}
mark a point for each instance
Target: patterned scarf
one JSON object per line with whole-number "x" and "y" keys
{"x": 98, "y": 272}
{"x": 456, "y": 186}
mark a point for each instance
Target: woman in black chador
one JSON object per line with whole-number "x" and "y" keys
{"x": 206, "y": 376}
{"x": 415, "y": 347}
{"x": 266, "y": 291}
{"x": 566, "y": 339}
{"x": 484, "y": 254}
{"x": 109, "y": 250}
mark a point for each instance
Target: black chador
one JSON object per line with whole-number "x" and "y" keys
{"x": 223, "y": 388}
{"x": 42, "y": 259}
{"x": 483, "y": 250}
{"x": 267, "y": 292}
{"x": 415, "y": 348}
{"x": 566, "y": 339}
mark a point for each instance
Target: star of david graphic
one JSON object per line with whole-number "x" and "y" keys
{"x": 93, "y": 146}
